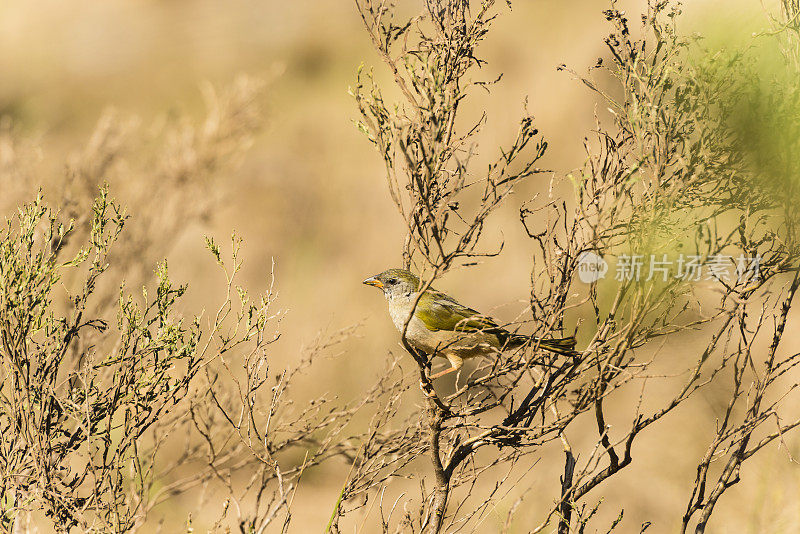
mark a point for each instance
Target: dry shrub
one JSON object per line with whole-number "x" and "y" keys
{"x": 667, "y": 174}
{"x": 100, "y": 388}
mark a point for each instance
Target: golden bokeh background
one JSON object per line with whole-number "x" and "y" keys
{"x": 310, "y": 193}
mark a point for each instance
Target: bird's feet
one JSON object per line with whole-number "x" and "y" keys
{"x": 427, "y": 389}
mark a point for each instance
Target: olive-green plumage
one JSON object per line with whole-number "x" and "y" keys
{"x": 441, "y": 326}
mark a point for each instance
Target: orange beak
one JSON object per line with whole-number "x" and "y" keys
{"x": 372, "y": 281}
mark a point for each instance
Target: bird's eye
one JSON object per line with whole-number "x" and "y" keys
{"x": 391, "y": 281}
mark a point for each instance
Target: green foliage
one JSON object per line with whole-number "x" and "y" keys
{"x": 78, "y": 397}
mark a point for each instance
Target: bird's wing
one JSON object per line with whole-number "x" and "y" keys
{"x": 439, "y": 311}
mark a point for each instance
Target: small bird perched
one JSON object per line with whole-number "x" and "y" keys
{"x": 440, "y": 326}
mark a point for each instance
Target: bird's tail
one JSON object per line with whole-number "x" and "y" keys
{"x": 560, "y": 345}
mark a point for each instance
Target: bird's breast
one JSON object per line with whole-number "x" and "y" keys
{"x": 400, "y": 310}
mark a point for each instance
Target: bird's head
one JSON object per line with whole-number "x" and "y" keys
{"x": 395, "y": 282}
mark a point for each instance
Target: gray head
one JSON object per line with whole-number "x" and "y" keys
{"x": 394, "y": 282}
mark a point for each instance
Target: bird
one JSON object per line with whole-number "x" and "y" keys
{"x": 440, "y": 326}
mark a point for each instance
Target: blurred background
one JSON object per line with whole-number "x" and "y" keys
{"x": 310, "y": 194}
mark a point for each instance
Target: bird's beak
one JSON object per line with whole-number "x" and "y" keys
{"x": 372, "y": 281}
